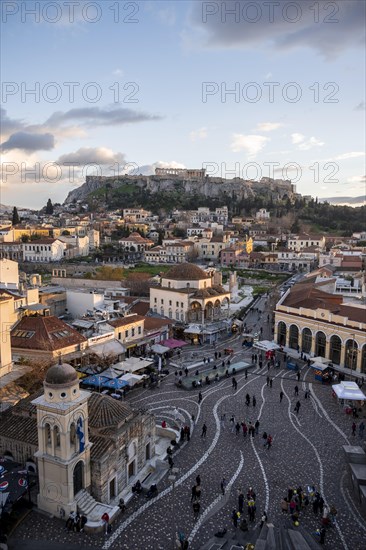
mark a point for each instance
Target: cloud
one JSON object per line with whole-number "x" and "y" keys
{"x": 268, "y": 126}
{"x": 356, "y": 179}
{"x": 252, "y": 144}
{"x": 92, "y": 155}
{"x": 29, "y": 142}
{"x": 351, "y": 155}
{"x": 360, "y": 107}
{"x": 9, "y": 125}
{"x": 282, "y": 26}
{"x": 118, "y": 72}
{"x": 198, "y": 134}
{"x": 305, "y": 144}
{"x": 96, "y": 116}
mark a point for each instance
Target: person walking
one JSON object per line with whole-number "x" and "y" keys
{"x": 256, "y": 425}
{"x": 204, "y": 430}
{"x": 296, "y": 390}
{"x": 298, "y": 376}
{"x": 251, "y": 509}
{"x": 241, "y": 501}
{"x": 245, "y": 429}
{"x": 223, "y": 485}
{"x": 105, "y": 519}
{"x": 193, "y": 493}
{"x": 281, "y": 396}
{"x": 237, "y": 428}
{"x": 198, "y": 479}
{"x": 247, "y": 399}
{"x": 199, "y": 397}
{"x": 297, "y": 407}
{"x": 354, "y": 428}
{"x": 254, "y": 401}
{"x": 268, "y": 379}
{"x": 198, "y": 492}
{"x": 269, "y": 441}
{"x": 196, "y": 509}
{"x": 264, "y": 519}
{"x": 232, "y": 423}
{"x": 234, "y": 517}
{"x": 271, "y": 382}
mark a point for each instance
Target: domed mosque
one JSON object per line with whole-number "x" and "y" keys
{"x": 88, "y": 447}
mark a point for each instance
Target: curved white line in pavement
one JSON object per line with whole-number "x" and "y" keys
{"x": 327, "y": 416}
{"x": 216, "y": 501}
{"x": 266, "y": 484}
{"x": 181, "y": 480}
{"x": 352, "y": 509}
{"x": 321, "y": 469}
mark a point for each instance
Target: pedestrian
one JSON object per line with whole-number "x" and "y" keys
{"x": 322, "y": 535}
{"x": 182, "y": 434}
{"x": 256, "y": 425}
{"x": 271, "y": 382}
{"x": 204, "y": 430}
{"x": 105, "y": 519}
{"x": 187, "y": 432}
{"x": 298, "y": 376}
{"x": 269, "y": 441}
{"x": 232, "y": 423}
{"x": 237, "y": 428}
{"x": 354, "y": 428}
{"x": 245, "y": 429}
{"x": 251, "y": 494}
{"x": 296, "y": 390}
{"x": 361, "y": 429}
{"x": 193, "y": 493}
{"x": 198, "y": 492}
{"x": 316, "y": 505}
{"x": 254, "y": 401}
{"x": 186, "y": 371}
{"x": 199, "y": 397}
{"x": 246, "y": 374}
{"x": 196, "y": 509}
{"x": 247, "y": 399}
{"x": 264, "y": 519}
{"x": 306, "y": 394}
{"x": 234, "y": 517}
{"x": 198, "y": 479}
{"x": 281, "y": 396}
{"x": 223, "y": 485}
{"x": 241, "y": 501}
{"x": 251, "y": 509}
{"x": 268, "y": 379}
{"x": 170, "y": 461}
{"x": 297, "y": 407}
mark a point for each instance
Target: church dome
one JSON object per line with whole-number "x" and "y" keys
{"x": 186, "y": 272}
{"x": 106, "y": 412}
{"x": 61, "y": 374}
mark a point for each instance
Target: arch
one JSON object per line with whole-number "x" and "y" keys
{"x": 47, "y": 434}
{"x": 320, "y": 342}
{"x": 132, "y": 450}
{"x": 335, "y": 349}
{"x": 8, "y": 455}
{"x": 78, "y": 477}
{"x": 350, "y": 361}
{"x": 281, "y": 333}
{"x": 363, "y": 359}
{"x": 307, "y": 340}
{"x": 293, "y": 336}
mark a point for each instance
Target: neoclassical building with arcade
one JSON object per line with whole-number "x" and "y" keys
{"x": 321, "y": 325}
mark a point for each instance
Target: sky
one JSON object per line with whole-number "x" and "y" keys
{"x": 241, "y": 88}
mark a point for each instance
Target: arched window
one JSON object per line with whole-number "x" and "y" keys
{"x": 363, "y": 360}
{"x": 56, "y": 433}
{"x": 72, "y": 434}
{"x": 320, "y": 341}
{"x": 281, "y": 333}
{"x": 293, "y": 337}
{"x": 351, "y": 354}
{"x": 177, "y": 315}
{"x": 47, "y": 431}
{"x": 307, "y": 339}
{"x": 335, "y": 348}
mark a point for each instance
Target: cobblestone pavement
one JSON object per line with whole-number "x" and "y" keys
{"x": 307, "y": 450}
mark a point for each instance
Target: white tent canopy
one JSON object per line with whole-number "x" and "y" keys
{"x": 132, "y": 379}
{"x": 320, "y": 359}
{"x": 132, "y": 364}
{"x": 266, "y": 345}
{"x": 159, "y": 349}
{"x": 348, "y": 390}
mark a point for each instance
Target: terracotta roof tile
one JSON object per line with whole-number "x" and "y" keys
{"x": 50, "y": 334}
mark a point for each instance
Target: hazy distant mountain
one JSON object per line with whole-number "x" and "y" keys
{"x": 348, "y": 201}
{"x": 5, "y": 208}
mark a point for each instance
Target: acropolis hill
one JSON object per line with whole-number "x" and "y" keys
{"x": 188, "y": 181}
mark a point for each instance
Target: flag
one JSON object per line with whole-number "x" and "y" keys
{"x": 80, "y": 434}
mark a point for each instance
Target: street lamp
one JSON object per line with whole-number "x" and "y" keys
{"x": 172, "y": 478}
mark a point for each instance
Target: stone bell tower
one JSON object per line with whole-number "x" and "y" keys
{"x": 63, "y": 444}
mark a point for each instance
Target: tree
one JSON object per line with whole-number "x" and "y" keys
{"x": 49, "y": 207}
{"x": 15, "y": 220}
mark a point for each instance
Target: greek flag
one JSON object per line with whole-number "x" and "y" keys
{"x": 80, "y": 433}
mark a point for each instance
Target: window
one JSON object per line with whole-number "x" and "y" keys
{"x": 177, "y": 304}
{"x": 119, "y": 335}
{"x": 126, "y": 333}
{"x": 155, "y": 300}
{"x": 139, "y": 330}
{"x": 132, "y": 332}
{"x": 170, "y": 302}
{"x": 162, "y": 301}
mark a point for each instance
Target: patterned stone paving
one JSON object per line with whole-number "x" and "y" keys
{"x": 307, "y": 449}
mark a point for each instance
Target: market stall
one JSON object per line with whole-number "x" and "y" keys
{"x": 321, "y": 372}
{"x": 348, "y": 391}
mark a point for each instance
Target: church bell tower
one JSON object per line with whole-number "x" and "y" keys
{"x": 63, "y": 444}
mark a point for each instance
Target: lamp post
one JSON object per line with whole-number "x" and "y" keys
{"x": 172, "y": 478}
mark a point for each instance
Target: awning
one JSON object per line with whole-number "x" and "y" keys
{"x": 349, "y": 390}
{"x": 320, "y": 359}
{"x": 159, "y": 349}
{"x": 266, "y": 345}
{"x": 193, "y": 329}
{"x": 115, "y": 384}
{"x": 133, "y": 364}
{"x": 112, "y": 347}
{"x": 131, "y": 379}
{"x": 319, "y": 366}
{"x": 172, "y": 343}
{"x": 97, "y": 380}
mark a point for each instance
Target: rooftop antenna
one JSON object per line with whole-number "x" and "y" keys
{"x": 59, "y": 359}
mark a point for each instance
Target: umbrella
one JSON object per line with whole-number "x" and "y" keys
{"x": 115, "y": 384}
{"x": 96, "y": 380}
